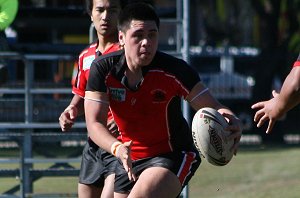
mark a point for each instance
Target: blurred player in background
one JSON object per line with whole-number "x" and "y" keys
{"x": 143, "y": 89}
{"x": 96, "y": 174}
{"x": 8, "y": 12}
{"x": 282, "y": 102}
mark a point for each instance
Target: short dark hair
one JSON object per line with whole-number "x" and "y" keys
{"x": 137, "y": 11}
{"x": 89, "y": 5}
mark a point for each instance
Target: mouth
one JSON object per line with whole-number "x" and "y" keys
{"x": 145, "y": 53}
{"x": 104, "y": 26}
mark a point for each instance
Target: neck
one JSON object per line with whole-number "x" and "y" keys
{"x": 134, "y": 77}
{"x": 105, "y": 42}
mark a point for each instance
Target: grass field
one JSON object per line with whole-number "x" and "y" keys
{"x": 256, "y": 172}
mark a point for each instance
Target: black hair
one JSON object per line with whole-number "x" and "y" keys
{"x": 89, "y": 5}
{"x": 137, "y": 11}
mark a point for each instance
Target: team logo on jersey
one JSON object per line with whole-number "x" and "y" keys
{"x": 133, "y": 101}
{"x": 117, "y": 94}
{"x": 158, "y": 96}
{"x": 87, "y": 62}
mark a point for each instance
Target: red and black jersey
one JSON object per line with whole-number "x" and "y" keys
{"x": 297, "y": 62}
{"x": 151, "y": 116}
{"x": 86, "y": 57}
{"x": 85, "y": 60}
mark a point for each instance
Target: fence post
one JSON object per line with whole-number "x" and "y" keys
{"x": 185, "y": 53}
{"x": 26, "y": 184}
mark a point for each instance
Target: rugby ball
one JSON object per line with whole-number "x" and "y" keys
{"x": 210, "y": 138}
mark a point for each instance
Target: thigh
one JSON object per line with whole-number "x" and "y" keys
{"x": 156, "y": 182}
{"x": 109, "y": 161}
{"x": 88, "y": 191}
{"x": 181, "y": 164}
{"x": 108, "y": 189}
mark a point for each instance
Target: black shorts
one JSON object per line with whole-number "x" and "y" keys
{"x": 183, "y": 164}
{"x": 96, "y": 165}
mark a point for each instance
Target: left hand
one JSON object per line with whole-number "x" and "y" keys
{"x": 267, "y": 111}
{"x": 235, "y": 126}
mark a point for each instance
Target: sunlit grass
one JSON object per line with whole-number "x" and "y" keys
{"x": 256, "y": 172}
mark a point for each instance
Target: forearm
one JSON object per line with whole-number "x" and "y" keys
{"x": 78, "y": 102}
{"x": 289, "y": 95}
{"x": 96, "y": 122}
{"x": 101, "y": 136}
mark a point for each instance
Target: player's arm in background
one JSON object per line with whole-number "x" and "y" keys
{"x": 76, "y": 106}
{"x": 68, "y": 116}
{"x": 200, "y": 97}
{"x": 276, "y": 107}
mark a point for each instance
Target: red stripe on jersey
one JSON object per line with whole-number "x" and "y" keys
{"x": 185, "y": 169}
{"x": 297, "y": 63}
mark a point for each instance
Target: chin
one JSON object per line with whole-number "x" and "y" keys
{"x": 144, "y": 61}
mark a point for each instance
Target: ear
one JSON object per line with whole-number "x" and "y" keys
{"x": 121, "y": 38}
{"x": 92, "y": 19}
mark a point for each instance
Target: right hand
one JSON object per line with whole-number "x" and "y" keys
{"x": 123, "y": 154}
{"x": 67, "y": 118}
{"x": 235, "y": 127}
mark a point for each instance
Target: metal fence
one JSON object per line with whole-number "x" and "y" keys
{"x": 29, "y": 114}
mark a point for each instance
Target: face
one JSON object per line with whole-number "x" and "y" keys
{"x": 105, "y": 16}
{"x": 140, "y": 42}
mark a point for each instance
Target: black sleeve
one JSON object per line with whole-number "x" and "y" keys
{"x": 100, "y": 68}
{"x": 98, "y": 72}
{"x": 184, "y": 72}
{"x": 187, "y": 75}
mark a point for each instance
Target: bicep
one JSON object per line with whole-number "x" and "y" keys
{"x": 96, "y": 107}
{"x": 290, "y": 91}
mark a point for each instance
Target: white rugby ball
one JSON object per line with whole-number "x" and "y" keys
{"x": 210, "y": 138}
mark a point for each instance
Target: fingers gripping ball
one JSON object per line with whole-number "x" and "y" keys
{"x": 210, "y": 138}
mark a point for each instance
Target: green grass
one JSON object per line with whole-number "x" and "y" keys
{"x": 256, "y": 172}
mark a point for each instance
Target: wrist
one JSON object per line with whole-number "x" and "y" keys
{"x": 115, "y": 147}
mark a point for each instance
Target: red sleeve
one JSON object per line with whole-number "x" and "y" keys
{"x": 81, "y": 79}
{"x": 297, "y": 63}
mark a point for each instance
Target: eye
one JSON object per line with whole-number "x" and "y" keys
{"x": 138, "y": 36}
{"x": 152, "y": 35}
{"x": 100, "y": 9}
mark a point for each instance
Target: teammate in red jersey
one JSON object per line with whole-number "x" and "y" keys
{"x": 282, "y": 102}
{"x": 97, "y": 165}
{"x": 143, "y": 89}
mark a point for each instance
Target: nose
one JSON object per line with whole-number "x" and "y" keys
{"x": 146, "y": 42}
{"x": 105, "y": 15}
